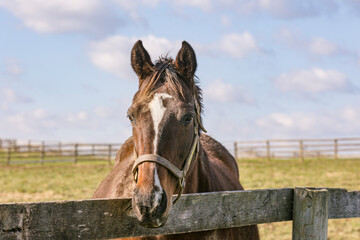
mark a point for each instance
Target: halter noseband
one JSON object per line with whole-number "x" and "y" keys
{"x": 193, "y": 154}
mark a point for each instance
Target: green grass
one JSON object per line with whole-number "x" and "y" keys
{"x": 61, "y": 181}
{"x": 19, "y": 157}
{"x": 318, "y": 173}
{"x": 68, "y": 181}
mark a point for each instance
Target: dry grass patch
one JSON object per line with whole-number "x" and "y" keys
{"x": 315, "y": 173}
{"x": 68, "y": 181}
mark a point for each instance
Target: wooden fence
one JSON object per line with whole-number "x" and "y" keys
{"x": 11, "y": 152}
{"x": 339, "y": 148}
{"x": 308, "y": 208}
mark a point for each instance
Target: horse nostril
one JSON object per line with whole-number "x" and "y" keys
{"x": 136, "y": 196}
{"x": 163, "y": 204}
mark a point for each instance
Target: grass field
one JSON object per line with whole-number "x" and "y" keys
{"x": 50, "y": 157}
{"x": 315, "y": 173}
{"x": 68, "y": 181}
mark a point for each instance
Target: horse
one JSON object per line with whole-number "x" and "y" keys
{"x": 169, "y": 153}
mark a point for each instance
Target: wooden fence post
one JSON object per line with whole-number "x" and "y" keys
{"x": 109, "y": 154}
{"x": 42, "y": 153}
{"x": 301, "y": 150}
{"x": 235, "y": 150}
{"x": 75, "y": 153}
{"x": 93, "y": 150}
{"x": 15, "y": 146}
{"x": 29, "y": 146}
{"x": 310, "y": 214}
{"x": 60, "y": 148}
{"x": 8, "y": 155}
{"x": 268, "y": 153}
{"x": 336, "y": 145}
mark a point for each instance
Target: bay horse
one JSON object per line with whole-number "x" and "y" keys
{"x": 168, "y": 153}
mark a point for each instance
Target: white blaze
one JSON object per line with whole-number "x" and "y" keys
{"x": 157, "y": 110}
{"x": 158, "y": 193}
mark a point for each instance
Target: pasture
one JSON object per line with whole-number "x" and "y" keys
{"x": 68, "y": 181}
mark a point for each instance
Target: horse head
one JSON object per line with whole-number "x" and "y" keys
{"x": 166, "y": 123}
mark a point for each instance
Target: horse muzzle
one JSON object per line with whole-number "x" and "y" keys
{"x": 150, "y": 208}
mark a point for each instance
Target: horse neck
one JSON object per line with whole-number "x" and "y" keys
{"x": 199, "y": 179}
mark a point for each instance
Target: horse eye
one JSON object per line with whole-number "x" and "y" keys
{"x": 131, "y": 118}
{"x": 187, "y": 119}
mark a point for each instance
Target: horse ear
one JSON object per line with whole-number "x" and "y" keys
{"x": 141, "y": 61}
{"x": 186, "y": 61}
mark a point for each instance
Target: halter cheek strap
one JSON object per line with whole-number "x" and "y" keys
{"x": 179, "y": 174}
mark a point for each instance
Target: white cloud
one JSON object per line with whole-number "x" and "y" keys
{"x": 102, "y": 112}
{"x": 315, "y": 46}
{"x": 30, "y": 122}
{"x": 321, "y": 46}
{"x": 9, "y": 96}
{"x": 131, "y": 7}
{"x": 219, "y": 91}
{"x": 277, "y": 118}
{"x": 238, "y": 45}
{"x": 286, "y": 121}
{"x": 40, "y": 113}
{"x": 43, "y": 122}
{"x": 205, "y": 5}
{"x": 113, "y": 53}
{"x": 235, "y": 45}
{"x": 314, "y": 80}
{"x": 225, "y": 21}
{"x": 350, "y": 114}
{"x": 287, "y": 9}
{"x": 73, "y": 126}
{"x": 77, "y": 118}
{"x": 281, "y": 8}
{"x": 89, "y": 16}
{"x": 137, "y": 3}
{"x": 297, "y": 8}
{"x": 13, "y": 68}
{"x": 341, "y": 122}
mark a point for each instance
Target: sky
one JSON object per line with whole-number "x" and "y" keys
{"x": 268, "y": 68}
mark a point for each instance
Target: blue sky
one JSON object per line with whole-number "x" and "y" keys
{"x": 268, "y": 69}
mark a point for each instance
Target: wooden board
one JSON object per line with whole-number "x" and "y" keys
{"x": 97, "y": 219}
{"x": 111, "y": 218}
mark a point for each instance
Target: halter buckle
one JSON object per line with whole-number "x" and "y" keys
{"x": 182, "y": 183}
{"x": 182, "y": 186}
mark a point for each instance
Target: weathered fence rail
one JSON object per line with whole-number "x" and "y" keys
{"x": 339, "y": 148}
{"x": 308, "y": 208}
{"x": 12, "y": 152}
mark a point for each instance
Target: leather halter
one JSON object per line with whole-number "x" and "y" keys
{"x": 192, "y": 155}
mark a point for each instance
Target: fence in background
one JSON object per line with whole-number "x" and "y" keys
{"x": 339, "y": 148}
{"x": 13, "y": 152}
{"x": 308, "y": 208}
